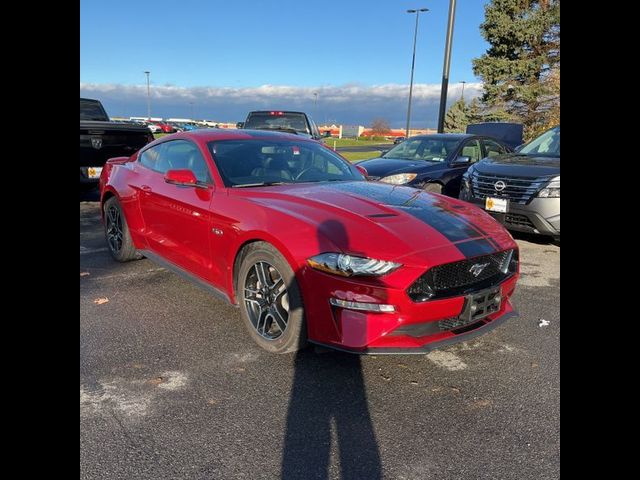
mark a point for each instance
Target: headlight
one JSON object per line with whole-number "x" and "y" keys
{"x": 347, "y": 265}
{"x": 399, "y": 179}
{"x": 552, "y": 190}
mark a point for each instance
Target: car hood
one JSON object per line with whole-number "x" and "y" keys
{"x": 518, "y": 165}
{"x": 387, "y": 221}
{"x": 381, "y": 167}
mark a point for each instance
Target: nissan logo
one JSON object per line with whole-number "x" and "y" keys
{"x": 499, "y": 186}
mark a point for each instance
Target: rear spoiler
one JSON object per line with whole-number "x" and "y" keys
{"x": 509, "y": 133}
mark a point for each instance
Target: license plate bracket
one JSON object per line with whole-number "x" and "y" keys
{"x": 481, "y": 304}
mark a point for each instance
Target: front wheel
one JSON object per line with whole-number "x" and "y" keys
{"x": 433, "y": 188}
{"x": 270, "y": 300}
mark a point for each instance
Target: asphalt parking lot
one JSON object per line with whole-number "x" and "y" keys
{"x": 171, "y": 386}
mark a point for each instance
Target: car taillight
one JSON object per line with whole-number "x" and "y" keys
{"x": 276, "y": 113}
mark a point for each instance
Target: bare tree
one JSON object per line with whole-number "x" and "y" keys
{"x": 380, "y": 127}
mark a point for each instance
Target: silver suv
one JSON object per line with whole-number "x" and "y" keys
{"x": 522, "y": 189}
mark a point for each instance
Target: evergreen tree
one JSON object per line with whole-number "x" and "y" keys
{"x": 456, "y": 118}
{"x": 474, "y": 113}
{"x": 519, "y": 67}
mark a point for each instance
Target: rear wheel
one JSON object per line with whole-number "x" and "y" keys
{"x": 117, "y": 232}
{"x": 270, "y": 300}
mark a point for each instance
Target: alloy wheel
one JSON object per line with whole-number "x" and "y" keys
{"x": 114, "y": 228}
{"x": 267, "y": 300}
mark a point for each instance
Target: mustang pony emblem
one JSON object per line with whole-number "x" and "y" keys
{"x": 96, "y": 143}
{"x": 477, "y": 268}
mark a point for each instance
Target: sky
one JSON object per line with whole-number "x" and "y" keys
{"x": 219, "y": 59}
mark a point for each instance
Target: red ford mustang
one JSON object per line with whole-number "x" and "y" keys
{"x": 294, "y": 235}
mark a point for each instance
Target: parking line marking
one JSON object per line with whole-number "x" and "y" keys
{"x": 447, "y": 360}
{"x": 88, "y": 251}
{"x": 130, "y": 275}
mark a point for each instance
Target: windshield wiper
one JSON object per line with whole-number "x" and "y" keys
{"x": 259, "y": 184}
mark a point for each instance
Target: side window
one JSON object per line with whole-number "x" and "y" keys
{"x": 492, "y": 148}
{"x": 184, "y": 155}
{"x": 472, "y": 150}
{"x": 149, "y": 158}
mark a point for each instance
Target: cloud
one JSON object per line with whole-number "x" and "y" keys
{"x": 348, "y": 104}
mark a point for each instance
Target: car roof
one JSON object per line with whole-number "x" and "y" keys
{"x": 275, "y": 110}
{"x": 444, "y": 135}
{"x": 213, "y": 134}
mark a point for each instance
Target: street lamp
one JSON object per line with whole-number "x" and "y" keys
{"x": 315, "y": 105}
{"x": 148, "y": 97}
{"x": 413, "y": 63}
{"x": 445, "y": 68}
{"x": 462, "y": 95}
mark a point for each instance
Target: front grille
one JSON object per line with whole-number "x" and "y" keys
{"x": 518, "y": 220}
{"x": 458, "y": 278}
{"x": 518, "y": 189}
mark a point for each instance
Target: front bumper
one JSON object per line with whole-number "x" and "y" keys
{"x": 540, "y": 216}
{"x": 414, "y": 327}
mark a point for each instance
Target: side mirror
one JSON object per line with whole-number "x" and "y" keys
{"x": 239, "y": 124}
{"x": 462, "y": 160}
{"x": 362, "y": 170}
{"x": 326, "y": 134}
{"x": 182, "y": 178}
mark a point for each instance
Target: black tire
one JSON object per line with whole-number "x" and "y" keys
{"x": 294, "y": 336}
{"x": 433, "y": 187}
{"x": 120, "y": 245}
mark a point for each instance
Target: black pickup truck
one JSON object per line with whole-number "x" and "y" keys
{"x": 101, "y": 139}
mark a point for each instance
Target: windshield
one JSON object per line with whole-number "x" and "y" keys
{"x": 275, "y": 120}
{"x": 546, "y": 145}
{"x": 266, "y": 162}
{"x": 92, "y": 110}
{"x": 428, "y": 149}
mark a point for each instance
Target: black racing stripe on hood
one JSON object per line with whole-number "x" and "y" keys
{"x": 432, "y": 210}
{"x": 475, "y": 248}
{"x": 448, "y": 225}
{"x": 478, "y": 229}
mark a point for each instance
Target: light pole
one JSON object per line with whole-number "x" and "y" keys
{"x": 413, "y": 63}
{"x": 445, "y": 68}
{"x": 462, "y": 95}
{"x": 315, "y": 104}
{"x": 148, "y": 97}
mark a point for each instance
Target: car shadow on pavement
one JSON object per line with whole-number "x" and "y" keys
{"x": 329, "y": 403}
{"x": 89, "y": 194}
